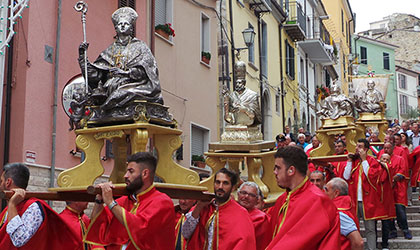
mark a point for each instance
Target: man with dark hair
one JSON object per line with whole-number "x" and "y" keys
{"x": 145, "y": 219}
{"x": 30, "y": 223}
{"x": 337, "y": 190}
{"x": 338, "y": 166}
{"x": 296, "y": 221}
{"x": 221, "y": 223}
{"x": 362, "y": 173}
{"x": 248, "y": 197}
{"x": 77, "y": 220}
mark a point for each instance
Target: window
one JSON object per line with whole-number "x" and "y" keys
{"x": 251, "y": 55}
{"x": 386, "y": 60}
{"x": 302, "y": 72}
{"x": 264, "y": 65}
{"x": 363, "y": 55}
{"x": 199, "y": 140}
{"x": 402, "y": 79}
{"x": 342, "y": 21}
{"x": 327, "y": 79}
{"x": 290, "y": 60}
{"x": 344, "y": 65}
{"x": 403, "y": 104}
{"x": 163, "y": 12}
{"x": 278, "y": 101}
{"x": 205, "y": 33}
{"x": 128, "y": 3}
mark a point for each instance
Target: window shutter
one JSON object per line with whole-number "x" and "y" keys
{"x": 128, "y": 3}
{"x": 160, "y": 12}
{"x": 197, "y": 141}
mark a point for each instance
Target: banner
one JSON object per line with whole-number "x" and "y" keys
{"x": 381, "y": 84}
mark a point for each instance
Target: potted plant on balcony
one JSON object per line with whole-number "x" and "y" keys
{"x": 198, "y": 161}
{"x": 165, "y": 30}
{"x": 205, "y": 57}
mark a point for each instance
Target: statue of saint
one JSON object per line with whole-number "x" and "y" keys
{"x": 371, "y": 100}
{"x": 242, "y": 106}
{"x": 126, "y": 70}
{"x": 336, "y": 105}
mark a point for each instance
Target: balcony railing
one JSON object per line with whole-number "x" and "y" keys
{"x": 295, "y": 15}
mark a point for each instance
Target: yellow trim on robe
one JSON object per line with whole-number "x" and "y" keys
{"x": 128, "y": 230}
{"x": 285, "y": 206}
{"x": 90, "y": 225}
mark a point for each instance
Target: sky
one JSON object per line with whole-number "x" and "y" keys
{"x": 368, "y": 11}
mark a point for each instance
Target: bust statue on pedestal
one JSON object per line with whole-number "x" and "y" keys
{"x": 336, "y": 105}
{"x": 242, "y": 110}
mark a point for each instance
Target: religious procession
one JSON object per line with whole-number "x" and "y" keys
{"x": 159, "y": 145}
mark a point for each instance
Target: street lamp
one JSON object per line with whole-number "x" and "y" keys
{"x": 248, "y": 35}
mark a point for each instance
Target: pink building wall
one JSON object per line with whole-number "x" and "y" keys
{"x": 181, "y": 73}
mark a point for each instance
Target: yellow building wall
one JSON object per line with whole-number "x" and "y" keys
{"x": 340, "y": 36}
{"x": 242, "y": 16}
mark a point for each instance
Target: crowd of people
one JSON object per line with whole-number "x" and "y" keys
{"x": 322, "y": 206}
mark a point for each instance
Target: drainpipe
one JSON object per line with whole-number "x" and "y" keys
{"x": 9, "y": 78}
{"x": 261, "y": 76}
{"x": 283, "y": 118}
{"x": 152, "y": 27}
{"x": 307, "y": 92}
{"x": 56, "y": 63}
{"x": 8, "y": 100}
{"x": 232, "y": 44}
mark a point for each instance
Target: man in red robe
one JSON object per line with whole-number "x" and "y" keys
{"x": 248, "y": 196}
{"x": 296, "y": 220}
{"x": 318, "y": 179}
{"x": 181, "y": 209}
{"x": 221, "y": 223}
{"x": 337, "y": 190}
{"x": 399, "y": 171}
{"x": 74, "y": 215}
{"x": 30, "y": 223}
{"x": 338, "y": 166}
{"x": 362, "y": 173}
{"x": 414, "y": 159}
{"x": 143, "y": 220}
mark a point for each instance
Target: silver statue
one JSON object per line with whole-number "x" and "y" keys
{"x": 242, "y": 106}
{"x": 371, "y": 100}
{"x": 124, "y": 72}
{"x": 336, "y": 105}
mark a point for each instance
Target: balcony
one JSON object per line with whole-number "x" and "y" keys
{"x": 319, "y": 45}
{"x": 259, "y": 6}
{"x": 295, "y": 25}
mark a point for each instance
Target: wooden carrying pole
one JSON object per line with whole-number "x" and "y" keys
{"x": 89, "y": 193}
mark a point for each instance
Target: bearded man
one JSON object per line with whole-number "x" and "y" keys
{"x": 221, "y": 223}
{"x": 145, "y": 219}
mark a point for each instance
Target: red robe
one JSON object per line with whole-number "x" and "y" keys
{"x": 148, "y": 223}
{"x": 339, "y": 168}
{"x": 414, "y": 162}
{"x": 233, "y": 228}
{"x": 78, "y": 224}
{"x": 386, "y": 190}
{"x": 372, "y": 206}
{"x": 304, "y": 218}
{"x": 345, "y": 205}
{"x": 50, "y": 235}
{"x": 179, "y": 220}
{"x": 261, "y": 223}
{"x": 399, "y": 166}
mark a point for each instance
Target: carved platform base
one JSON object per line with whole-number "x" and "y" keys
{"x": 254, "y": 161}
{"x": 344, "y": 126}
{"x": 241, "y": 134}
{"x": 137, "y": 111}
{"x": 375, "y": 121}
{"x": 91, "y": 140}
